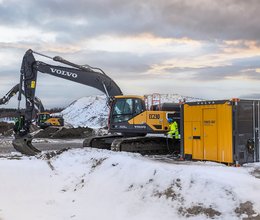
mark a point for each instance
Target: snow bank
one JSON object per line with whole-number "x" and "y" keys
{"x": 97, "y": 184}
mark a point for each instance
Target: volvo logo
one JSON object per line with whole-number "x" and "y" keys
{"x": 64, "y": 73}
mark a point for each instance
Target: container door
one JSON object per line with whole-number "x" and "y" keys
{"x": 188, "y": 138}
{"x": 210, "y": 134}
{"x": 245, "y": 130}
{"x": 257, "y": 138}
{"x": 197, "y": 147}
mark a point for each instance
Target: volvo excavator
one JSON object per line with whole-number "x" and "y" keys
{"x": 43, "y": 119}
{"x": 131, "y": 117}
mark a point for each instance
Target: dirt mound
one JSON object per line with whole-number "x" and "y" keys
{"x": 61, "y": 133}
{"x": 46, "y": 133}
{"x": 5, "y": 128}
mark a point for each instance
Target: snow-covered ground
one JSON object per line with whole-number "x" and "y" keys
{"x": 92, "y": 111}
{"x": 102, "y": 185}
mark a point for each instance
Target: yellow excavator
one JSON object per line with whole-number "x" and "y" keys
{"x": 43, "y": 119}
{"x": 132, "y": 119}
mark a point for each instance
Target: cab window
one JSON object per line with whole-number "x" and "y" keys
{"x": 123, "y": 106}
{"x": 125, "y": 109}
{"x": 138, "y": 106}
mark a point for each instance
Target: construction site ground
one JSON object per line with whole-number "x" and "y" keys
{"x": 43, "y": 144}
{"x": 51, "y": 138}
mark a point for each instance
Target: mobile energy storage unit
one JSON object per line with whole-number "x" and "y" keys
{"x": 225, "y": 131}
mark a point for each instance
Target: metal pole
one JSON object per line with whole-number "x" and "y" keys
{"x": 40, "y": 54}
{"x": 254, "y": 129}
{"x": 258, "y": 145}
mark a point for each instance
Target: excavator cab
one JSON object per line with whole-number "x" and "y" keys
{"x": 125, "y": 108}
{"x": 42, "y": 117}
{"x": 131, "y": 116}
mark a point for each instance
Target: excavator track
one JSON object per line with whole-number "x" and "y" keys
{"x": 101, "y": 142}
{"x": 24, "y": 146}
{"x": 144, "y": 145}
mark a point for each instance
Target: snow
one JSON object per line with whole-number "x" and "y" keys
{"x": 98, "y": 184}
{"x": 92, "y": 111}
{"x": 8, "y": 120}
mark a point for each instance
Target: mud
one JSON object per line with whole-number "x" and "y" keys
{"x": 96, "y": 163}
{"x": 246, "y": 210}
{"x": 47, "y": 156}
{"x": 63, "y": 133}
{"x": 6, "y": 129}
{"x": 172, "y": 192}
{"x": 199, "y": 210}
{"x": 169, "y": 193}
{"x": 52, "y": 154}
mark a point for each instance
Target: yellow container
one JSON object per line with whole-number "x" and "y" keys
{"x": 220, "y": 131}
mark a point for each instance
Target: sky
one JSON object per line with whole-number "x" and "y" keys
{"x": 207, "y": 49}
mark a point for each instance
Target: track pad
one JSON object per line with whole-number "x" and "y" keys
{"x": 24, "y": 146}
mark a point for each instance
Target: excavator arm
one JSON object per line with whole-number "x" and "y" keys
{"x": 9, "y": 95}
{"x": 93, "y": 77}
{"x": 4, "y": 100}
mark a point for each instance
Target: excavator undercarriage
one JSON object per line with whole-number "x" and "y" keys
{"x": 143, "y": 145}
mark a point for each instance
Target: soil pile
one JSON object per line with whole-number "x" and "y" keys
{"x": 6, "y": 128}
{"x": 62, "y": 133}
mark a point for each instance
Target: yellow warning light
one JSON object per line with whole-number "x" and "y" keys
{"x": 33, "y": 83}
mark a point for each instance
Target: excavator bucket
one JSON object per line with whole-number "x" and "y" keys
{"x": 24, "y": 146}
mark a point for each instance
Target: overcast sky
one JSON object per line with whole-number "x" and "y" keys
{"x": 203, "y": 48}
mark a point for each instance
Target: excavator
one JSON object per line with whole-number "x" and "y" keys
{"x": 43, "y": 119}
{"x": 4, "y": 100}
{"x": 132, "y": 119}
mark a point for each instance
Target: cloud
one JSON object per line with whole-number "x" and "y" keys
{"x": 75, "y": 20}
{"x": 250, "y": 96}
{"x": 140, "y": 44}
{"x": 243, "y": 71}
